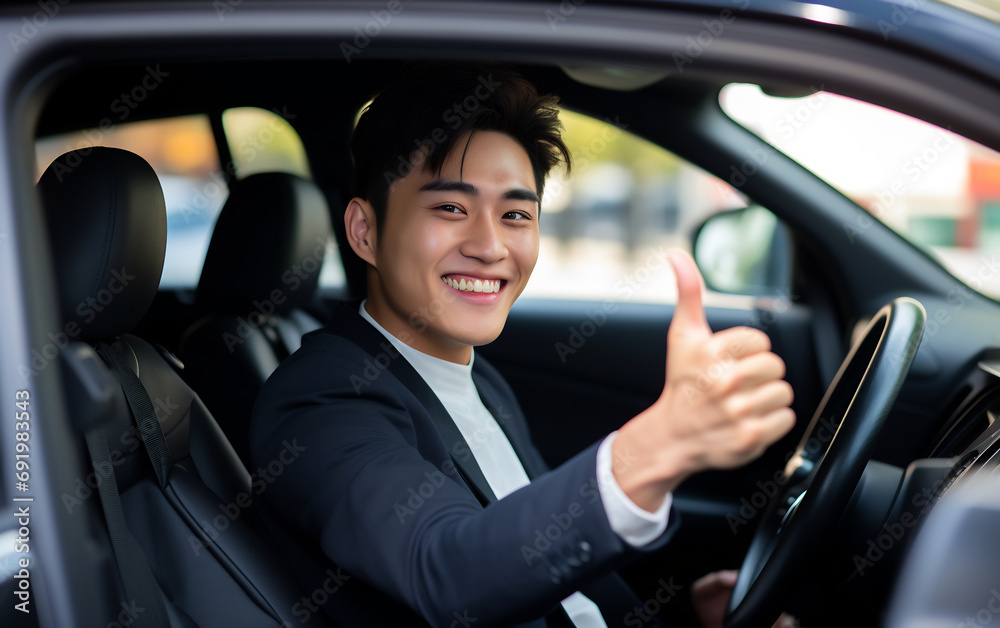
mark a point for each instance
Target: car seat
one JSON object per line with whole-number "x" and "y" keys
{"x": 261, "y": 272}
{"x": 178, "y": 505}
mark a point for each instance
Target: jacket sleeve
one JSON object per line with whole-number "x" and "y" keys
{"x": 376, "y": 486}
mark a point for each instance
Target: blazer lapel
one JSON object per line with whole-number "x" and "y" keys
{"x": 502, "y": 409}
{"x": 348, "y": 324}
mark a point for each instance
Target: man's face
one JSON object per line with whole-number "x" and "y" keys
{"x": 457, "y": 248}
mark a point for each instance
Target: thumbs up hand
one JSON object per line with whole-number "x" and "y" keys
{"x": 723, "y": 402}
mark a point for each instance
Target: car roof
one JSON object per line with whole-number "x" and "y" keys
{"x": 287, "y": 66}
{"x": 962, "y": 30}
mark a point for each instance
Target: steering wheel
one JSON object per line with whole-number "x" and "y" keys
{"x": 825, "y": 468}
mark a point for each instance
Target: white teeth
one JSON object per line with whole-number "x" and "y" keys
{"x": 478, "y": 285}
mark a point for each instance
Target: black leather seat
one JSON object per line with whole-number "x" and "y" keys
{"x": 261, "y": 271}
{"x": 107, "y": 224}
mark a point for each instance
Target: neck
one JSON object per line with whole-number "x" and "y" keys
{"x": 419, "y": 335}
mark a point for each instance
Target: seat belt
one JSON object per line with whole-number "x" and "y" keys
{"x": 155, "y": 444}
{"x": 142, "y": 412}
{"x": 137, "y": 578}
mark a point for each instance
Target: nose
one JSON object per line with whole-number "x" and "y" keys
{"x": 485, "y": 239}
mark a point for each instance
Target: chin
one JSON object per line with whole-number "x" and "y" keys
{"x": 477, "y": 337}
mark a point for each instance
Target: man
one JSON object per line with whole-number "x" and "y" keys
{"x": 419, "y": 480}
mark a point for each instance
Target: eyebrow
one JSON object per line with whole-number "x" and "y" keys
{"x": 448, "y": 185}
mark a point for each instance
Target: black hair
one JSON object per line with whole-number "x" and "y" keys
{"x": 415, "y": 122}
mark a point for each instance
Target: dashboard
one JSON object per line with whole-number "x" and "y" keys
{"x": 951, "y": 573}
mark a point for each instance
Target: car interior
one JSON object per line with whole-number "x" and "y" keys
{"x": 237, "y": 148}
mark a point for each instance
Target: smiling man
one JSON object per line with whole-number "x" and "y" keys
{"x": 419, "y": 481}
{"x": 465, "y": 237}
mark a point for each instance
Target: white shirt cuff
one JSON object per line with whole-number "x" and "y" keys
{"x": 636, "y": 526}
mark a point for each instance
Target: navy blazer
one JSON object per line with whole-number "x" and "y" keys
{"x": 386, "y": 515}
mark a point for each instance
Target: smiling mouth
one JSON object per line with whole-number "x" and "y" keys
{"x": 475, "y": 285}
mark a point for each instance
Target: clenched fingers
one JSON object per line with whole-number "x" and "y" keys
{"x": 759, "y": 400}
{"x": 752, "y": 371}
{"x": 739, "y": 342}
{"x": 756, "y": 434}
{"x": 774, "y": 425}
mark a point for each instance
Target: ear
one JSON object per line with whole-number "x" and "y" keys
{"x": 359, "y": 223}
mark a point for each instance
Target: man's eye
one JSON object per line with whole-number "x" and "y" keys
{"x": 451, "y": 209}
{"x": 517, "y": 216}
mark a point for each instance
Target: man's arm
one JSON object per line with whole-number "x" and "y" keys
{"x": 373, "y": 484}
{"x": 723, "y": 402}
{"x": 376, "y": 486}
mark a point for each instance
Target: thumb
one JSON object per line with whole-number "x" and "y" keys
{"x": 689, "y": 314}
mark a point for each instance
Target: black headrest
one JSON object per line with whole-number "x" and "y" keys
{"x": 108, "y": 229}
{"x": 268, "y": 246}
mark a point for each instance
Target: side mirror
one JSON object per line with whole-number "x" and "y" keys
{"x": 744, "y": 251}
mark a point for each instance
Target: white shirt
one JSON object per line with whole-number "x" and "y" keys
{"x": 452, "y": 384}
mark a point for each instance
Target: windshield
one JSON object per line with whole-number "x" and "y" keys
{"x": 937, "y": 189}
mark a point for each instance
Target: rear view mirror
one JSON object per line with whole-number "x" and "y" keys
{"x": 744, "y": 251}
